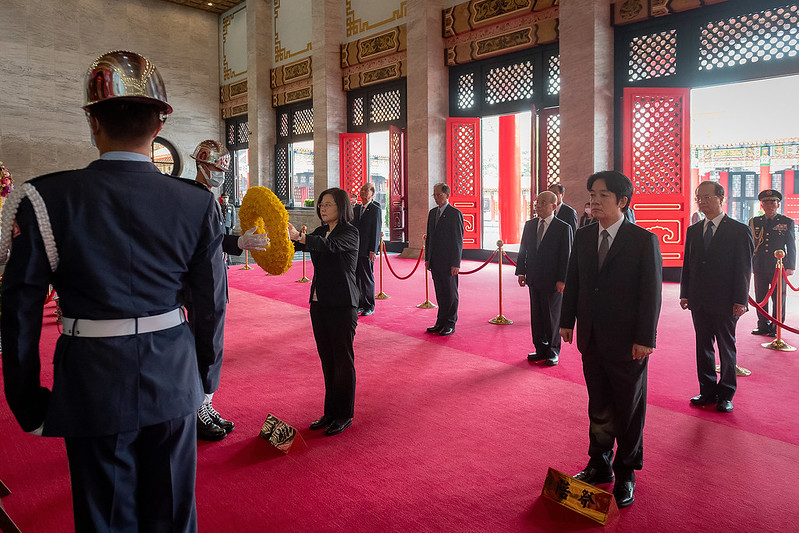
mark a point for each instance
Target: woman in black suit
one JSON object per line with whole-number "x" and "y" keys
{"x": 334, "y": 302}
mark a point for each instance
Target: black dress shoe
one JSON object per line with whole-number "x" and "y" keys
{"x": 594, "y": 476}
{"x": 434, "y": 329}
{"x": 446, "y": 331}
{"x": 535, "y": 357}
{"x": 322, "y": 423}
{"x": 624, "y": 492}
{"x": 771, "y": 334}
{"x": 367, "y": 312}
{"x": 337, "y": 426}
{"x": 206, "y": 428}
{"x": 724, "y": 406}
{"x": 227, "y": 425}
{"x": 759, "y": 331}
{"x": 552, "y": 361}
{"x": 701, "y": 400}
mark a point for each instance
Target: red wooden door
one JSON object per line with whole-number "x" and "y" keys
{"x": 352, "y": 162}
{"x": 463, "y": 175}
{"x": 396, "y": 189}
{"x": 657, "y": 158}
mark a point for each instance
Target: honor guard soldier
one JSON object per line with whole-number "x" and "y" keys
{"x": 771, "y": 231}
{"x": 213, "y": 160}
{"x": 117, "y": 240}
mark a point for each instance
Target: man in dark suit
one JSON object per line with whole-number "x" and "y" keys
{"x": 564, "y": 212}
{"x": 370, "y": 229}
{"x": 129, "y": 373}
{"x": 613, "y": 290}
{"x": 716, "y": 271}
{"x": 442, "y": 257}
{"x": 771, "y": 231}
{"x": 541, "y": 266}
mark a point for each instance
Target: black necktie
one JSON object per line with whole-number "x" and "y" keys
{"x": 438, "y": 215}
{"x": 541, "y": 226}
{"x": 708, "y": 234}
{"x": 603, "y": 247}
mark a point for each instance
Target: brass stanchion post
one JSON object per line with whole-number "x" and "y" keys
{"x": 303, "y": 279}
{"x": 426, "y": 304}
{"x": 246, "y": 262}
{"x": 500, "y": 318}
{"x": 381, "y": 295}
{"x": 779, "y": 344}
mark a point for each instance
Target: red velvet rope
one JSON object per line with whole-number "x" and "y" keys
{"x": 759, "y": 309}
{"x": 508, "y": 258}
{"x": 785, "y": 277}
{"x": 771, "y": 289}
{"x": 419, "y": 260}
{"x": 481, "y": 267}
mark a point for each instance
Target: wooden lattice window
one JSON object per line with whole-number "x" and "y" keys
{"x": 656, "y": 124}
{"x": 377, "y": 107}
{"x": 652, "y": 56}
{"x": 767, "y": 35}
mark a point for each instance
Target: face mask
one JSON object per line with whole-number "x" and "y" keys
{"x": 216, "y": 178}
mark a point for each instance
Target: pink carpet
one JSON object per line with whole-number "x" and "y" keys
{"x": 452, "y": 433}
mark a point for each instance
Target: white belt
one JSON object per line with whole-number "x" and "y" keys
{"x": 80, "y": 327}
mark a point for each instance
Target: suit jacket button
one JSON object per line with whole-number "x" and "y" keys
{"x": 596, "y": 289}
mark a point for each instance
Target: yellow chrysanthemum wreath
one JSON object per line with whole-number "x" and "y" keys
{"x": 262, "y": 209}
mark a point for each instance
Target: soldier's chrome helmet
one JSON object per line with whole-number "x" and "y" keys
{"x": 213, "y": 153}
{"x": 125, "y": 75}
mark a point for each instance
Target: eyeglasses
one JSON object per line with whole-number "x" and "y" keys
{"x": 705, "y": 198}
{"x": 326, "y": 206}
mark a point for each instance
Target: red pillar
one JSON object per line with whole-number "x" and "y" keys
{"x": 510, "y": 180}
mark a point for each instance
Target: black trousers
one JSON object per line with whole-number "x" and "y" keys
{"x": 446, "y": 287}
{"x": 136, "y": 481}
{"x": 718, "y": 328}
{"x": 762, "y": 284}
{"x": 545, "y": 320}
{"x": 334, "y": 332}
{"x": 616, "y": 410}
{"x": 365, "y": 280}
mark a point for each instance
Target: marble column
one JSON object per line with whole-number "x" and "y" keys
{"x": 329, "y": 98}
{"x": 260, "y": 113}
{"x": 428, "y": 101}
{"x": 586, "y": 98}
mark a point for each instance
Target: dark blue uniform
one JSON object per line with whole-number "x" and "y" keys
{"x": 369, "y": 224}
{"x": 770, "y": 235}
{"x": 128, "y": 237}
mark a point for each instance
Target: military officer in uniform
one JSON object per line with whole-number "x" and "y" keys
{"x": 771, "y": 231}
{"x": 213, "y": 160}
{"x": 117, "y": 240}
{"x": 228, "y": 214}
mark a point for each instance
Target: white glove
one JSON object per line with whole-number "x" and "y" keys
{"x": 252, "y": 241}
{"x": 38, "y": 431}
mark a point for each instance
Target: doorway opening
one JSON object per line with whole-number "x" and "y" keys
{"x": 506, "y": 169}
{"x": 745, "y": 136}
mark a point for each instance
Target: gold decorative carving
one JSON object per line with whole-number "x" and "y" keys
{"x": 382, "y": 70}
{"x": 292, "y": 72}
{"x": 227, "y": 72}
{"x": 232, "y": 91}
{"x": 503, "y": 43}
{"x": 382, "y": 74}
{"x": 658, "y": 8}
{"x": 375, "y": 46}
{"x": 299, "y": 95}
{"x": 281, "y": 54}
{"x": 629, "y": 11}
{"x": 356, "y": 25}
{"x": 492, "y": 43}
{"x": 240, "y": 87}
{"x": 488, "y": 10}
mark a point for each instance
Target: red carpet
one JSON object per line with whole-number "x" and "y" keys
{"x": 452, "y": 433}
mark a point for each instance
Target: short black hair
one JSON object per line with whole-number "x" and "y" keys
{"x": 343, "y": 204}
{"x": 718, "y": 189}
{"x": 126, "y": 120}
{"x": 561, "y": 188}
{"x": 443, "y": 186}
{"x": 616, "y": 182}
